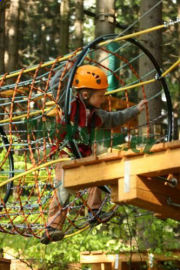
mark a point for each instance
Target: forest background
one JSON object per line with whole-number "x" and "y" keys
{"x": 37, "y": 31}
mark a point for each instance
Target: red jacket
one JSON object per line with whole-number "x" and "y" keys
{"x": 87, "y": 121}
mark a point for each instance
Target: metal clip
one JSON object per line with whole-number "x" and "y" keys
{"x": 157, "y": 77}
{"x": 171, "y": 181}
{"x": 171, "y": 203}
{"x": 171, "y": 22}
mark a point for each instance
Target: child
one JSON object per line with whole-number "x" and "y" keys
{"x": 91, "y": 83}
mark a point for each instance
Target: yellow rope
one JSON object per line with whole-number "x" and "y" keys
{"x": 40, "y": 176}
{"x": 32, "y": 170}
{"x": 130, "y": 87}
{"x": 35, "y": 67}
{"x": 145, "y": 82}
{"x": 27, "y": 176}
{"x": 24, "y": 115}
{"x": 79, "y": 231}
{"x": 100, "y": 44}
{"x": 158, "y": 27}
{"x": 171, "y": 68}
{"x": 29, "y": 179}
{"x": 107, "y": 93}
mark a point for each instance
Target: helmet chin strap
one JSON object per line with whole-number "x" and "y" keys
{"x": 86, "y": 101}
{"x": 88, "y": 106}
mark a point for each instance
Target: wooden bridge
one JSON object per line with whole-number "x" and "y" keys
{"x": 150, "y": 181}
{"x": 137, "y": 260}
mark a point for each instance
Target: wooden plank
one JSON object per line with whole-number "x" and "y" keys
{"x": 109, "y": 258}
{"x": 96, "y": 266}
{"x": 108, "y": 171}
{"x": 106, "y": 266}
{"x": 133, "y": 170}
{"x": 148, "y": 194}
{"x": 155, "y": 186}
{"x": 91, "y": 175}
{"x": 125, "y": 257}
{"x": 97, "y": 252}
{"x": 134, "y": 265}
{"x": 114, "y": 154}
{"x": 5, "y": 264}
{"x": 134, "y": 257}
{"x": 85, "y": 252}
{"x": 102, "y": 266}
{"x": 103, "y": 258}
{"x": 104, "y": 261}
{"x": 93, "y": 159}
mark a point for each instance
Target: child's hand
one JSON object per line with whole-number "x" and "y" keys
{"x": 141, "y": 105}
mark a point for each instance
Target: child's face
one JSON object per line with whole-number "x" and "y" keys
{"x": 97, "y": 99}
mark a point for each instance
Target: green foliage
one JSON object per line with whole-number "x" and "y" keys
{"x": 132, "y": 229}
{"x": 174, "y": 89}
{"x": 39, "y": 28}
{"x": 127, "y": 12}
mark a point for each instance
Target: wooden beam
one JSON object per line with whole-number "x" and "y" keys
{"x": 96, "y": 266}
{"x": 102, "y": 261}
{"x": 107, "y": 172}
{"x": 150, "y": 194}
{"x": 102, "y": 266}
{"x": 106, "y": 266}
{"x": 97, "y": 258}
{"x": 126, "y": 257}
{"x": 134, "y": 177}
{"x": 91, "y": 172}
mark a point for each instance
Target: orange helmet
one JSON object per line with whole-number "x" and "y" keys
{"x": 91, "y": 77}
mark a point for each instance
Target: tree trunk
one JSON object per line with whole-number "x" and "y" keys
{"x": 176, "y": 108}
{"x": 105, "y": 19}
{"x": 12, "y": 23}
{"x": 78, "y": 25}
{"x": 179, "y": 27}
{"x": 2, "y": 35}
{"x": 104, "y": 24}
{"x": 64, "y": 26}
{"x": 178, "y": 73}
{"x": 151, "y": 41}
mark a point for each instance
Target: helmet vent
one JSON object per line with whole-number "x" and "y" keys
{"x": 76, "y": 81}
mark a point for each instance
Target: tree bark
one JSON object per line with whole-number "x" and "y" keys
{"x": 151, "y": 41}
{"x": 64, "y": 26}
{"x": 104, "y": 24}
{"x": 177, "y": 103}
{"x": 105, "y": 17}
{"x": 2, "y": 35}
{"x": 78, "y": 31}
{"x": 12, "y": 23}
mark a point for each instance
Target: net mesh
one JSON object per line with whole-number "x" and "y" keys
{"x": 29, "y": 125}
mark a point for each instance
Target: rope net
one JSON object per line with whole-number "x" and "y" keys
{"x": 31, "y": 136}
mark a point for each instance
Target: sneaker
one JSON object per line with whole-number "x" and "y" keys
{"x": 53, "y": 235}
